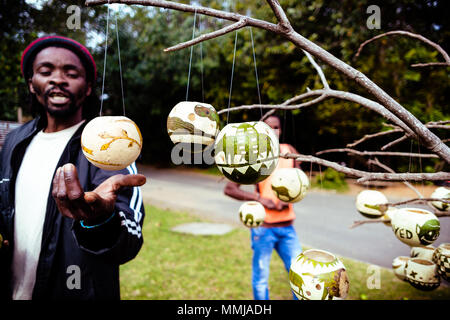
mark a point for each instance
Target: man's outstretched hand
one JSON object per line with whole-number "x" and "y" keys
{"x": 93, "y": 206}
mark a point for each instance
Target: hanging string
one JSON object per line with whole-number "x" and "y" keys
{"x": 190, "y": 59}
{"x": 201, "y": 69}
{"x": 420, "y": 163}
{"x": 410, "y": 157}
{"x": 120, "y": 65}
{"x": 320, "y": 175}
{"x": 256, "y": 71}
{"x": 232, "y": 75}
{"x": 104, "y": 61}
{"x": 367, "y": 183}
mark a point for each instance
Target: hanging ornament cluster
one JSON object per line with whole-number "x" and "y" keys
{"x": 193, "y": 124}
{"x": 425, "y": 267}
{"x": 246, "y": 153}
{"x": 111, "y": 142}
{"x": 318, "y": 275}
{"x": 289, "y": 184}
{"x": 417, "y": 228}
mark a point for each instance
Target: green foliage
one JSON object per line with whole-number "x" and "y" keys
{"x": 331, "y": 179}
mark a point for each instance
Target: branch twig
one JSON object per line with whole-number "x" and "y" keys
{"x": 416, "y": 36}
{"x": 318, "y": 69}
{"x": 235, "y": 26}
{"x": 388, "y": 169}
{"x": 437, "y": 213}
{"x": 283, "y": 28}
{"x": 370, "y": 176}
{"x": 378, "y": 153}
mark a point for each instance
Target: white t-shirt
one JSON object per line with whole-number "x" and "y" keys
{"x": 33, "y": 184}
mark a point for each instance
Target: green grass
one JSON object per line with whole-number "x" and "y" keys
{"x": 174, "y": 266}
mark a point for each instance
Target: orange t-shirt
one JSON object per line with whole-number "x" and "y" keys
{"x": 265, "y": 190}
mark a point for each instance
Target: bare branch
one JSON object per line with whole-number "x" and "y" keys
{"x": 276, "y": 107}
{"x": 378, "y": 153}
{"x": 416, "y": 36}
{"x": 370, "y": 176}
{"x": 415, "y": 127}
{"x": 231, "y": 16}
{"x": 430, "y": 64}
{"x": 235, "y": 26}
{"x": 439, "y": 122}
{"x": 437, "y": 213}
{"x": 318, "y": 69}
{"x": 361, "y": 222}
{"x": 280, "y": 14}
{"x": 373, "y": 135}
{"x": 388, "y": 169}
{"x": 437, "y": 176}
{"x": 328, "y": 93}
{"x": 417, "y": 200}
{"x": 393, "y": 143}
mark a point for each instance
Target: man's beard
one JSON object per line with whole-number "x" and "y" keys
{"x": 61, "y": 112}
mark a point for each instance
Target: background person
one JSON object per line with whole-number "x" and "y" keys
{"x": 277, "y": 232}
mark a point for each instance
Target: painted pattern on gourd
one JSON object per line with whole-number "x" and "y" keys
{"x": 429, "y": 232}
{"x": 206, "y": 112}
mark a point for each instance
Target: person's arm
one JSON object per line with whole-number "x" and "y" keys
{"x": 107, "y": 220}
{"x": 293, "y": 150}
{"x": 233, "y": 190}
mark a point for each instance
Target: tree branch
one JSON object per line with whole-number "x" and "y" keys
{"x": 415, "y": 36}
{"x": 378, "y": 153}
{"x": 280, "y": 14}
{"x": 318, "y": 69}
{"x": 190, "y": 8}
{"x": 393, "y": 143}
{"x": 370, "y": 176}
{"x": 429, "y": 140}
{"x": 388, "y": 169}
{"x": 373, "y": 135}
{"x": 384, "y": 207}
{"x": 325, "y": 93}
{"x": 235, "y": 26}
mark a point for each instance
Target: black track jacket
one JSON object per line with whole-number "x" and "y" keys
{"x": 67, "y": 249}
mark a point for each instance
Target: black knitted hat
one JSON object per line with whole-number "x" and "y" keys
{"x": 29, "y": 54}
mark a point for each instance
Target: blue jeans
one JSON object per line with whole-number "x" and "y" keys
{"x": 285, "y": 241}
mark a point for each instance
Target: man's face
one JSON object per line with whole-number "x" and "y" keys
{"x": 275, "y": 124}
{"x": 59, "y": 82}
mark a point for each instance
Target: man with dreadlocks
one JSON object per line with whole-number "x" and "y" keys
{"x": 66, "y": 224}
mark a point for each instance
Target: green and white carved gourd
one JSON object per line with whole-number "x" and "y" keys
{"x": 318, "y": 275}
{"x": 246, "y": 153}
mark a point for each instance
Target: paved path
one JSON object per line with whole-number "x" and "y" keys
{"x": 323, "y": 218}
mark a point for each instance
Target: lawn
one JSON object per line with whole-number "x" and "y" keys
{"x": 174, "y": 266}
